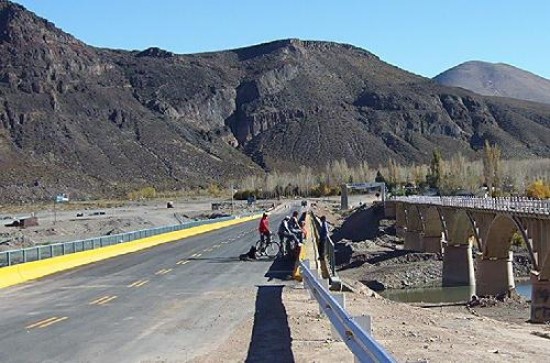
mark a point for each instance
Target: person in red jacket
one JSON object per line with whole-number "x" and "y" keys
{"x": 265, "y": 233}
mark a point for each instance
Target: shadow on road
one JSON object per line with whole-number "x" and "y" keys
{"x": 270, "y": 340}
{"x": 280, "y": 269}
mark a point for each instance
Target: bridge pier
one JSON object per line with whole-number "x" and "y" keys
{"x": 400, "y": 221}
{"x": 540, "y": 299}
{"x": 494, "y": 276}
{"x": 458, "y": 265}
{"x": 413, "y": 240}
{"x": 431, "y": 244}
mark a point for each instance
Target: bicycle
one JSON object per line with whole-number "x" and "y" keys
{"x": 269, "y": 248}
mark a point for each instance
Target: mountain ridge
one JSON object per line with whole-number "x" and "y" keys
{"x": 497, "y": 79}
{"x": 96, "y": 121}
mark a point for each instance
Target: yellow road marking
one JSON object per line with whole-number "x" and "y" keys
{"x": 103, "y": 300}
{"x": 164, "y": 271}
{"x": 195, "y": 255}
{"x": 198, "y": 254}
{"x": 111, "y": 298}
{"x": 216, "y": 246}
{"x": 182, "y": 262}
{"x": 53, "y": 322}
{"x": 41, "y": 322}
{"x": 138, "y": 283}
{"x": 142, "y": 283}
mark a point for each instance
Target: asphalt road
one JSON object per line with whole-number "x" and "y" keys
{"x": 170, "y": 303}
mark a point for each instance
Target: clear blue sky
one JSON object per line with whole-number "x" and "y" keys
{"x": 422, "y": 36}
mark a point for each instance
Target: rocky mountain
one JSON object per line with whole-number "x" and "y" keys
{"x": 497, "y": 79}
{"x": 94, "y": 121}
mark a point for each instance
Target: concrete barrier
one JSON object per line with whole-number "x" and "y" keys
{"x": 17, "y": 274}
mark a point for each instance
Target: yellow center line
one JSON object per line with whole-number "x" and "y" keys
{"x": 160, "y": 272}
{"x": 198, "y": 254}
{"x": 97, "y": 301}
{"x": 195, "y": 255}
{"x": 182, "y": 262}
{"x": 107, "y": 300}
{"x": 138, "y": 283}
{"x": 40, "y": 322}
{"x": 134, "y": 283}
{"x": 208, "y": 250}
{"x": 53, "y": 322}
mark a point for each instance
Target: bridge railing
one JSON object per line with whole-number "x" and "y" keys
{"x": 41, "y": 252}
{"x": 362, "y": 345}
{"x": 513, "y": 204}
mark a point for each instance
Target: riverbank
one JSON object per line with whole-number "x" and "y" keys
{"x": 368, "y": 252}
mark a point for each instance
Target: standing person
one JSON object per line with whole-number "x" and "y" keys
{"x": 323, "y": 237}
{"x": 304, "y": 231}
{"x": 265, "y": 232}
{"x": 302, "y": 218}
{"x": 294, "y": 226}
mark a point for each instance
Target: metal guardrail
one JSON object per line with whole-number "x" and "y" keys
{"x": 41, "y": 252}
{"x": 328, "y": 248}
{"x": 523, "y": 205}
{"x": 361, "y": 344}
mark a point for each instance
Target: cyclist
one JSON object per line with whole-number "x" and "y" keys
{"x": 263, "y": 228}
{"x": 285, "y": 232}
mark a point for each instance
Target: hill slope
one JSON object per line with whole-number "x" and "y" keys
{"x": 97, "y": 121}
{"x": 498, "y": 79}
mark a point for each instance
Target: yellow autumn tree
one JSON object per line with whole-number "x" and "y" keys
{"x": 538, "y": 189}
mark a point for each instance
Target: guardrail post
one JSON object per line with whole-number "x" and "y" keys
{"x": 365, "y": 322}
{"x": 341, "y": 299}
{"x": 8, "y": 258}
{"x": 51, "y": 250}
{"x": 325, "y": 285}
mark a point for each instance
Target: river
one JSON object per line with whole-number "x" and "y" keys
{"x": 445, "y": 294}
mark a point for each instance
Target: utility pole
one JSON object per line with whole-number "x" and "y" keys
{"x": 54, "y": 210}
{"x": 232, "y": 199}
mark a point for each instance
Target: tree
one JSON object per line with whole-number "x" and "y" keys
{"x": 491, "y": 167}
{"x": 433, "y": 178}
{"x": 538, "y": 189}
{"x": 393, "y": 174}
{"x": 379, "y": 177}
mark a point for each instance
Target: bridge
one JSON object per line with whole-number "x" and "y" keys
{"x": 455, "y": 226}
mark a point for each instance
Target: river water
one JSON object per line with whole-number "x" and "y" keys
{"x": 444, "y": 294}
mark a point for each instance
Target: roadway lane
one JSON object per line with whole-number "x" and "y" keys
{"x": 173, "y": 302}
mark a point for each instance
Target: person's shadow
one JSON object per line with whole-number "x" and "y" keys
{"x": 281, "y": 269}
{"x": 270, "y": 341}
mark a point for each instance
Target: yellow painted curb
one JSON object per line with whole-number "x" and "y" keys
{"x": 302, "y": 256}
{"x": 16, "y": 274}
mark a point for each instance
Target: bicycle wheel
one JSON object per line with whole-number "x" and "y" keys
{"x": 272, "y": 249}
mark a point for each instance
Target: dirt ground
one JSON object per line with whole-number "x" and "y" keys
{"x": 76, "y": 220}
